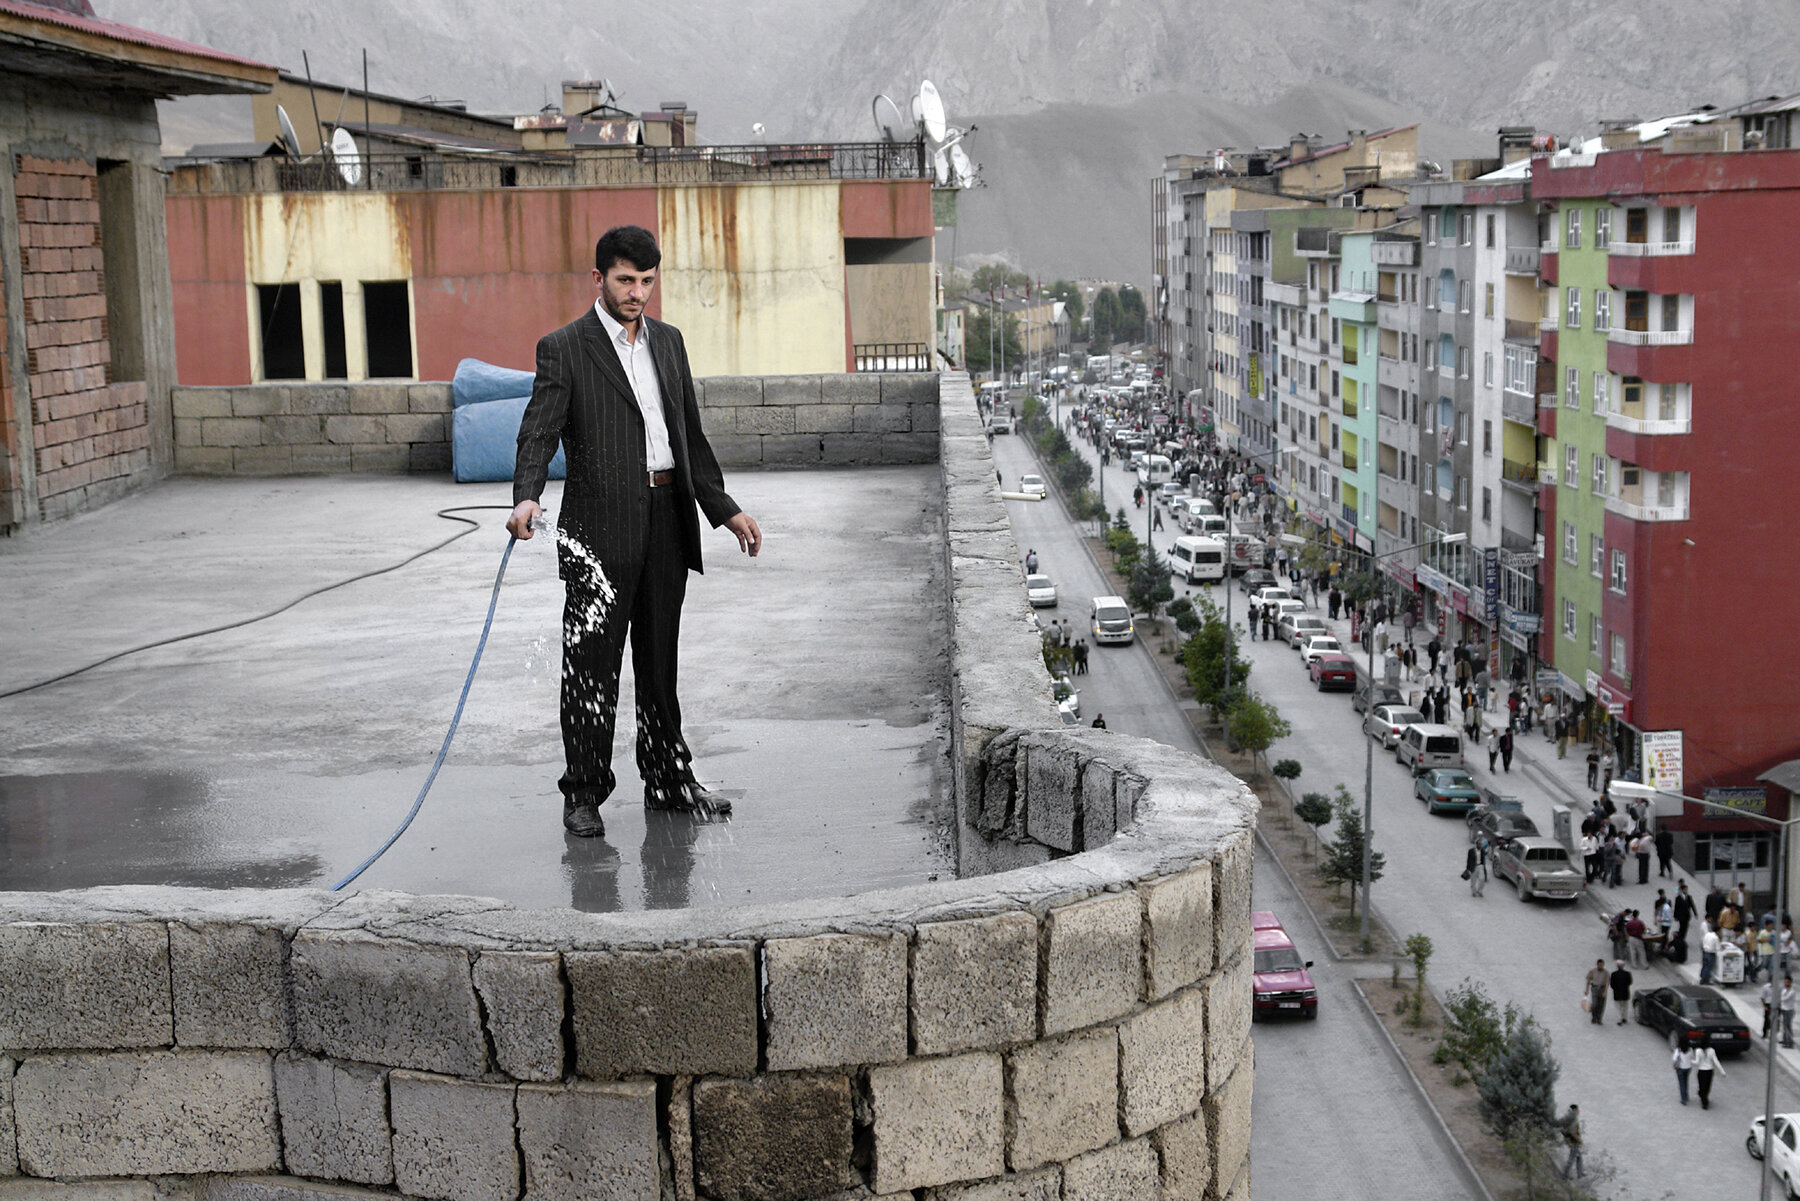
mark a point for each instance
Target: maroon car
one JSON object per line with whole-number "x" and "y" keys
{"x": 1334, "y": 670}
{"x": 1280, "y": 985}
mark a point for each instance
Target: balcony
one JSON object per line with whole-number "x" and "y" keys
{"x": 1350, "y": 408}
{"x": 1650, "y": 249}
{"x": 1545, "y": 324}
{"x": 1523, "y": 260}
{"x": 1516, "y": 406}
{"x": 1637, "y": 512}
{"x": 1349, "y": 460}
{"x": 1392, "y": 373}
{"x": 1647, "y": 425}
{"x": 1353, "y": 306}
{"x": 1395, "y": 254}
{"x": 1650, "y": 337}
{"x": 1521, "y": 331}
{"x": 1524, "y": 476}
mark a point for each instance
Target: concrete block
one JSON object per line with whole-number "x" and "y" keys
{"x": 834, "y": 999}
{"x": 378, "y": 398}
{"x": 1233, "y": 869}
{"x": 792, "y": 389}
{"x": 766, "y": 419}
{"x": 187, "y": 431}
{"x": 229, "y": 985}
{"x": 837, "y": 449}
{"x": 1030, "y": 1186}
{"x": 590, "y": 1142}
{"x": 322, "y": 459}
{"x": 418, "y": 427}
{"x": 924, "y": 417}
{"x": 1126, "y": 1172}
{"x": 522, "y": 992}
{"x": 353, "y": 430}
{"x": 1185, "y": 1149}
{"x": 318, "y": 400}
{"x": 937, "y": 1121}
{"x": 909, "y": 448}
{"x": 1162, "y": 1061}
{"x": 1228, "y": 1120}
{"x": 1178, "y": 929}
{"x": 732, "y": 390}
{"x": 734, "y": 451}
{"x": 293, "y": 431}
{"x": 1228, "y": 1010}
{"x": 98, "y": 984}
{"x": 379, "y": 458}
{"x": 1099, "y": 809}
{"x": 791, "y": 450}
{"x": 422, "y": 457}
{"x": 851, "y": 387}
{"x": 203, "y": 460}
{"x": 1062, "y": 1098}
{"x": 259, "y": 400}
{"x": 262, "y": 460}
{"x": 974, "y": 984}
{"x": 81, "y": 1190}
{"x": 334, "y": 1119}
{"x": 389, "y": 1003}
{"x": 822, "y": 419}
{"x": 773, "y": 1138}
{"x": 1092, "y": 969}
{"x": 680, "y": 1112}
{"x": 1052, "y": 780}
{"x": 1127, "y": 791}
{"x": 194, "y": 403}
{"x": 881, "y": 419}
{"x": 684, "y": 1012}
{"x": 433, "y": 397}
{"x": 909, "y": 387}
{"x": 453, "y": 1139}
{"x": 148, "y": 1113}
{"x": 231, "y": 431}
{"x": 282, "y": 1188}
{"x": 9, "y": 1144}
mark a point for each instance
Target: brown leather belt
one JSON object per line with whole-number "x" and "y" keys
{"x": 661, "y": 479}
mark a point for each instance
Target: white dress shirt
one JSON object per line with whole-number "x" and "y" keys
{"x": 640, "y": 370}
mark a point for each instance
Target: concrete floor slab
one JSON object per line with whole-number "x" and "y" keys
{"x": 281, "y": 752}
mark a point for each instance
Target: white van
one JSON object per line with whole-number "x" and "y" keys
{"x": 1155, "y": 470}
{"x": 1198, "y": 560}
{"x": 1211, "y": 525}
{"x": 1427, "y": 745}
{"x": 1110, "y": 618}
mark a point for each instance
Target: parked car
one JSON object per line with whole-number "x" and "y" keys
{"x": 1369, "y": 694}
{"x": 1333, "y": 670}
{"x": 1695, "y": 1015}
{"x": 1426, "y": 745}
{"x": 1321, "y": 644}
{"x": 1538, "y": 867}
{"x": 1786, "y": 1155}
{"x": 1500, "y": 818}
{"x": 1168, "y": 492}
{"x": 1279, "y": 983}
{"x": 1272, "y": 592}
{"x": 1040, "y": 591}
{"x": 1032, "y": 485}
{"x": 1000, "y": 423}
{"x": 1295, "y": 626}
{"x": 1063, "y": 689}
{"x": 1256, "y": 579}
{"x": 1110, "y": 619}
{"x": 1285, "y": 607}
{"x": 1387, "y": 721}
{"x": 1446, "y": 789}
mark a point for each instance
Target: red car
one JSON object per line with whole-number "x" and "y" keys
{"x": 1335, "y": 671}
{"x": 1280, "y": 985}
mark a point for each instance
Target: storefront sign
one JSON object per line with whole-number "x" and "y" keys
{"x": 1434, "y": 579}
{"x": 1459, "y": 600}
{"x": 1400, "y": 572}
{"x": 1515, "y": 639}
{"x": 1490, "y": 583}
{"x": 1255, "y": 375}
{"x": 1520, "y": 623}
{"x": 1591, "y": 679}
{"x": 1745, "y": 798}
{"x": 1365, "y": 544}
{"x": 1614, "y": 701}
{"x": 1662, "y": 759}
{"x": 1546, "y": 680}
{"x": 1570, "y": 688}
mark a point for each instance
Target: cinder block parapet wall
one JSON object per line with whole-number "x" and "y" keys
{"x": 392, "y": 426}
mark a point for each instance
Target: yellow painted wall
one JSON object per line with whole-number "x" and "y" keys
{"x": 891, "y": 302}
{"x": 1518, "y": 442}
{"x": 755, "y": 277}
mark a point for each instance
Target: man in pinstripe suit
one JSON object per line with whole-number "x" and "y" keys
{"x": 614, "y": 388}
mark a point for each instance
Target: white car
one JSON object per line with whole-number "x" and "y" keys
{"x": 1263, "y": 596}
{"x": 1067, "y": 699}
{"x": 1387, "y": 722}
{"x": 1295, "y": 626}
{"x": 1040, "y": 591}
{"x": 1032, "y": 485}
{"x": 1786, "y": 1154}
{"x": 1318, "y": 645}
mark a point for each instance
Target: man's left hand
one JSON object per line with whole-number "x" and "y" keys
{"x": 749, "y": 535}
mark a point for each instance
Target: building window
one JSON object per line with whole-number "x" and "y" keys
{"x": 1602, "y": 227}
{"x": 1618, "y": 571}
{"x": 1599, "y": 466}
{"x": 1487, "y": 307}
{"x": 1465, "y": 295}
{"x": 1447, "y": 354}
{"x": 1602, "y": 393}
{"x": 1447, "y": 224}
{"x": 1446, "y": 296}
{"x": 1487, "y": 436}
{"x": 1594, "y": 633}
{"x": 1602, "y": 310}
{"x": 1569, "y": 620}
{"x": 1487, "y": 368}
{"x": 1572, "y": 471}
{"x": 1465, "y": 362}
{"x": 1572, "y": 388}
{"x": 1573, "y": 318}
{"x": 1487, "y": 504}
{"x": 1618, "y": 656}
{"x": 387, "y": 324}
{"x": 1569, "y": 545}
{"x": 331, "y": 329}
{"x": 1468, "y": 229}
{"x": 1573, "y": 240}
{"x": 1430, "y": 355}
{"x": 1462, "y": 492}
{"x": 283, "y": 342}
{"x": 1490, "y": 243}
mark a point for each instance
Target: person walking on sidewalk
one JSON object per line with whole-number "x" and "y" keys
{"x": 1683, "y": 1060}
{"x": 1493, "y": 749}
{"x": 1706, "y": 1062}
{"x": 1570, "y": 1125}
{"x": 1683, "y": 911}
{"x": 1709, "y": 952}
{"x": 1788, "y": 1001}
{"x": 1594, "y": 986}
{"x": 1664, "y": 842}
{"x": 1475, "y": 869}
{"x": 1593, "y": 766}
{"x": 1506, "y": 750}
{"x": 1621, "y": 988}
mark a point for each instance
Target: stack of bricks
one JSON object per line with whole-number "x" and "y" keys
{"x": 89, "y": 435}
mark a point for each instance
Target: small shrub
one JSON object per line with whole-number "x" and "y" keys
{"x": 1286, "y": 769}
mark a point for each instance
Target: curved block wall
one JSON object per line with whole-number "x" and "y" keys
{"x": 1074, "y": 1028}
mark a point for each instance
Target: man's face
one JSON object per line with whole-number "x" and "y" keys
{"x": 624, "y": 290}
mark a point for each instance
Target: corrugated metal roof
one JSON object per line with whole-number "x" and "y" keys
{"x": 421, "y": 136}
{"x": 1784, "y": 775}
{"x": 121, "y": 33}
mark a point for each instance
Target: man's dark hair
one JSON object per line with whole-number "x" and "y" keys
{"x": 631, "y": 243}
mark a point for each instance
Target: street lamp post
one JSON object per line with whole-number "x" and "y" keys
{"x": 1369, "y": 747}
{"x": 1626, "y": 788}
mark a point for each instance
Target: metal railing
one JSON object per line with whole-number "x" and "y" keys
{"x": 1634, "y": 250}
{"x": 605, "y": 166}
{"x": 1514, "y": 472}
{"x": 1650, "y": 337}
{"x": 1625, "y": 508}
{"x": 892, "y": 356}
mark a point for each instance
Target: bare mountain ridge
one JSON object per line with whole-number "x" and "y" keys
{"x": 1078, "y": 100}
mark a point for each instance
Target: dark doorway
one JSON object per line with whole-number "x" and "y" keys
{"x": 387, "y": 324}
{"x": 331, "y": 313}
{"x": 283, "y": 342}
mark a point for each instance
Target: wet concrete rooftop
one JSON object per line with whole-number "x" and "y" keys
{"x": 282, "y": 752}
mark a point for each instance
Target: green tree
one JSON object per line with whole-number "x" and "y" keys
{"x": 996, "y": 277}
{"x": 1475, "y": 1029}
{"x": 1106, "y": 317}
{"x": 1133, "y": 314}
{"x": 1314, "y": 809}
{"x": 1070, "y": 295}
{"x": 976, "y": 351}
{"x": 1518, "y": 1087}
{"x": 1418, "y": 948}
{"x": 1343, "y": 861}
{"x": 1149, "y": 584}
{"x": 1205, "y": 654}
{"x": 1256, "y": 724}
{"x": 1287, "y": 769}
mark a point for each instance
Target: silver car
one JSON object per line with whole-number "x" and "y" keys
{"x": 1387, "y": 722}
{"x": 1539, "y": 867}
{"x": 1040, "y": 591}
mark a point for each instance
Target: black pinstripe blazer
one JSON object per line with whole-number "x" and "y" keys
{"x": 582, "y": 399}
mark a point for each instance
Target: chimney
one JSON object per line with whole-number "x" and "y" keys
{"x": 1516, "y": 142}
{"x": 1298, "y": 145}
{"x": 580, "y": 95}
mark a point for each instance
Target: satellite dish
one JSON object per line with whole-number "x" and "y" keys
{"x": 888, "y": 118}
{"x": 962, "y": 167}
{"x": 289, "y": 138}
{"x": 756, "y": 131}
{"x": 940, "y": 166}
{"x": 931, "y": 111}
{"x": 347, "y": 157}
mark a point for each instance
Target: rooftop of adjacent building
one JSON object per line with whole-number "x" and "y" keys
{"x": 281, "y": 752}
{"x": 65, "y": 41}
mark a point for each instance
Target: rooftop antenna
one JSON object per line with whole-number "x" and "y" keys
{"x": 963, "y": 169}
{"x": 887, "y": 118}
{"x": 312, "y": 94}
{"x": 756, "y": 131}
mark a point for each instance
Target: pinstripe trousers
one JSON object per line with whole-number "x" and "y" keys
{"x": 645, "y": 605}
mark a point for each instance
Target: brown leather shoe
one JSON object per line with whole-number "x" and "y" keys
{"x": 583, "y": 821}
{"x": 688, "y": 797}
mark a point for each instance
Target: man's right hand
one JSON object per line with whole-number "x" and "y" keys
{"x": 523, "y": 514}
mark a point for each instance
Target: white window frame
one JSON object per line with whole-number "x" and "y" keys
{"x": 1594, "y": 635}
{"x": 1487, "y": 368}
{"x": 1617, "y": 577}
{"x": 1596, "y": 556}
{"x": 1602, "y": 393}
{"x": 1572, "y": 388}
{"x": 1602, "y": 309}
{"x": 1569, "y": 536}
{"x": 1602, "y": 227}
{"x": 1572, "y": 310}
{"x": 1599, "y": 474}
{"x": 1572, "y": 230}
{"x": 1572, "y": 470}
{"x": 1617, "y": 659}
{"x": 1569, "y": 619}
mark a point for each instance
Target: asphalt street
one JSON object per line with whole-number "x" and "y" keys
{"x": 1331, "y": 1103}
{"x": 1533, "y": 955}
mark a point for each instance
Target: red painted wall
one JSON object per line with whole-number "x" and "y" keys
{"x": 886, "y": 209}
{"x": 206, "y": 266}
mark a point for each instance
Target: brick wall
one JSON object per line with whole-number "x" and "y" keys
{"x": 12, "y": 494}
{"x": 89, "y": 433}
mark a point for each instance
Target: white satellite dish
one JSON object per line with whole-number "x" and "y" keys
{"x": 347, "y": 157}
{"x": 940, "y": 167}
{"x": 962, "y": 167}
{"x": 931, "y": 111}
{"x": 888, "y": 118}
{"x": 757, "y": 130}
{"x": 289, "y": 138}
